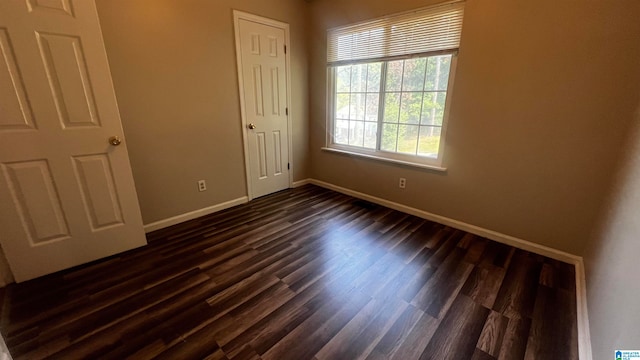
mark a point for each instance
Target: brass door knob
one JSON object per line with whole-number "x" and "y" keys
{"x": 252, "y": 126}
{"x": 115, "y": 140}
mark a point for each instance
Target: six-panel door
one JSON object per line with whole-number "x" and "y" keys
{"x": 265, "y": 95}
{"x": 66, "y": 195}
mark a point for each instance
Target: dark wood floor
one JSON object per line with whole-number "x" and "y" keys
{"x": 301, "y": 274}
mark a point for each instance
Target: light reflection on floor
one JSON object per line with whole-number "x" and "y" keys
{"x": 347, "y": 257}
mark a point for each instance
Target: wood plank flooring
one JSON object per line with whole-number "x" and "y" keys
{"x": 301, "y": 274}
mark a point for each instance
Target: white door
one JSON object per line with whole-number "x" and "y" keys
{"x": 262, "y": 63}
{"x": 67, "y": 195}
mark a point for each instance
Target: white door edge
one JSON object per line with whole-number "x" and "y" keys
{"x": 241, "y": 15}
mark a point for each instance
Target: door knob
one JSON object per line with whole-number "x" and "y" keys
{"x": 252, "y": 126}
{"x": 115, "y": 140}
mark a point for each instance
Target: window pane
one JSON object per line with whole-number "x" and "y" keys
{"x": 356, "y": 133}
{"x": 342, "y": 106}
{"x": 391, "y": 107}
{"x": 410, "y": 106}
{"x": 394, "y": 75}
{"x": 373, "y": 101}
{"x": 407, "y": 139}
{"x": 413, "y": 100}
{"x": 343, "y": 78}
{"x": 373, "y": 77}
{"x": 438, "y": 72}
{"x": 357, "y": 107}
{"x": 389, "y": 135}
{"x": 445, "y": 67}
{"x": 433, "y": 108}
{"x": 341, "y": 132}
{"x": 359, "y": 78}
{"x": 370, "y": 135}
{"x": 429, "y": 141}
{"x": 414, "y": 70}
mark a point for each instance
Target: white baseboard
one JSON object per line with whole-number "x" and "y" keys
{"x": 299, "y": 183}
{"x": 584, "y": 341}
{"x": 486, "y": 233}
{"x": 193, "y": 214}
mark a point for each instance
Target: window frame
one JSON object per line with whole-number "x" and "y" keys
{"x": 379, "y": 154}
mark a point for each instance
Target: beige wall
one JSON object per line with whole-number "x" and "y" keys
{"x": 174, "y": 69}
{"x": 544, "y": 92}
{"x": 612, "y": 261}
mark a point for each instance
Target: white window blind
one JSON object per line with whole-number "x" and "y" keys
{"x": 431, "y": 29}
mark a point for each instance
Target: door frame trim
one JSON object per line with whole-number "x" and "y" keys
{"x": 241, "y": 15}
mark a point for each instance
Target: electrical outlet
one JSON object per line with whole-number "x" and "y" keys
{"x": 202, "y": 185}
{"x": 402, "y": 183}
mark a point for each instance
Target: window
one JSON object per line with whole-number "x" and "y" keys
{"x": 388, "y": 84}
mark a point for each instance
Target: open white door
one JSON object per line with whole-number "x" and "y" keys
{"x": 262, "y": 66}
{"x": 67, "y": 195}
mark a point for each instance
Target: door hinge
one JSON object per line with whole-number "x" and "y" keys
{"x": 285, "y": 49}
{"x": 286, "y": 111}
{"x": 288, "y": 166}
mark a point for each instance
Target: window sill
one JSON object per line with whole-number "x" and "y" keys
{"x": 384, "y": 159}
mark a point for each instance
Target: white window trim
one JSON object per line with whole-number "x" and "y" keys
{"x": 386, "y": 156}
{"x": 373, "y": 156}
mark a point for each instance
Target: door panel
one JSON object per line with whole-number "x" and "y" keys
{"x": 277, "y": 153}
{"x": 263, "y": 66}
{"x": 261, "y": 154}
{"x": 66, "y": 195}
{"x": 54, "y": 6}
{"x": 99, "y": 194}
{"x": 71, "y": 89}
{"x": 14, "y": 104}
{"x": 36, "y": 198}
{"x": 257, "y": 90}
{"x": 275, "y": 91}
